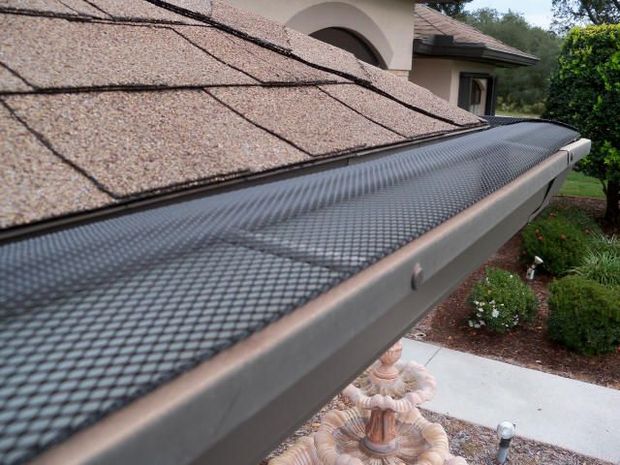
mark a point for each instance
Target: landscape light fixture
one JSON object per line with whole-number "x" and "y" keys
{"x": 505, "y": 431}
{"x": 531, "y": 271}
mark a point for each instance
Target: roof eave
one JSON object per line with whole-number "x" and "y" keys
{"x": 477, "y": 52}
{"x": 237, "y": 406}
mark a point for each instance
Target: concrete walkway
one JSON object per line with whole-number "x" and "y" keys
{"x": 574, "y": 415}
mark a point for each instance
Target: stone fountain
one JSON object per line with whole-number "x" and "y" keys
{"x": 384, "y": 427}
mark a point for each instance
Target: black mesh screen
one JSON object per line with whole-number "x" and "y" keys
{"x": 96, "y": 315}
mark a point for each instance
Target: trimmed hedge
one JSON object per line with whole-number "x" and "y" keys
{"x": 584, "y": 315}
{"x": 561, "y": 237}
{"x": 501, "y": 301}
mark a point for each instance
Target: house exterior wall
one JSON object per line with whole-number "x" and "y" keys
{"x": 441, "y": 76}
{"x": 386, "y": 24}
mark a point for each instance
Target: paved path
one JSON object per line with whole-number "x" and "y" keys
{"x": 571, "y": 414}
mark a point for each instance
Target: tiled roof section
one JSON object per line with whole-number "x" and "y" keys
{"x": 34, "y": 183}
{"x": 136, "y": 98}
{"x": 249, "y": 24}
{"x": 139, "y": 10}
{"x": 259, "y": 62}
{"x": 327, "y": 56}
{"x": 40, "y": 6}
{"x": 63, "y": 53}
{"x": 306, "y": 117}
{"x": 429, "y": 22}
{"x": 141, "y": 141}
{"x": 418, "y": 97}
{"x": 10, "y": 82}
{"x": 386, "y": 112}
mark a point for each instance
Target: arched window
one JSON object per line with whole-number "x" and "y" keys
{"x": 351, "y": 42}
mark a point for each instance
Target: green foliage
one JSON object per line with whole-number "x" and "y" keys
{"x": 602, "y": 267}
{"x": 602, "y": 262}
{"x": 500, "y": 301}
{"x": 569, "y": 13}
{"x": 455, "y": 9}
{"x": 585, "y": 92}
{"x": 561, "y": 237}
{"x": 520, "y": 89}
{"x": 584, "y": 315}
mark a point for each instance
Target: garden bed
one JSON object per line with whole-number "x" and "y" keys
{"x": 527, "y": 345}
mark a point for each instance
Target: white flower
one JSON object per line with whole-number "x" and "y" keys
{"x": 471, "y": 324}
{"x": 495, "y": 313}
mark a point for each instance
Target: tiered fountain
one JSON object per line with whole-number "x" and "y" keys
{"x": 384, "y": 427}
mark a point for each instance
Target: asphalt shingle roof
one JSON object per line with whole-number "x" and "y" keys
{"x": 105, "y": 101}
{"x": 429, "y": 22}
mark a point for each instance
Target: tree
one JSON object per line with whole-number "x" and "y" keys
{"x": 585, "y": 92}
{"x": 455, "y": 9}
{"x": 521, "y": 89}
{"x": 569, "y": 13}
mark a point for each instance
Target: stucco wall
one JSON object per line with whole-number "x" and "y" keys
{"x": 441, "y": 76}
{"x": 386, "y": 24}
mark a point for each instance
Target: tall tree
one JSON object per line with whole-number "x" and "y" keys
{"x": 585, "y": 92}
{"x": 520, "y": 89}
{"x": 455, "y": 9}
{"x": 569, "y": 13}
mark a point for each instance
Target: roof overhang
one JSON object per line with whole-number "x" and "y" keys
{"x": 234, "y": 408}
{"x": 477, "y": 52}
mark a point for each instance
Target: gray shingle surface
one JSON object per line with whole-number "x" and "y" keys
{"x": 34, "y": 183}
{"x": 43, "y": 6}
{"x": 139, "y": 141}
{"x": 11, "y": 83}
{"x": 141, "y": 10}
{"x": 418, "y": 97}
{"x": 307, "y": 117}
{"x": 64, "y": 53}
{"x": 250, "y": 24}
{"x": 387, "y": 112}
{"x": 325, "y": 55}
{"x": 84, "y": 8}
{"x": 261, "y": 63}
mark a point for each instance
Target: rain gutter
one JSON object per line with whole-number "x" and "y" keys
{"x": 234, "y": 408}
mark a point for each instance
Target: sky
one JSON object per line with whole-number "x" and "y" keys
{"x": 536, "y": 12}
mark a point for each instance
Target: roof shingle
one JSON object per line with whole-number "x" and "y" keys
{"x": 142, "y": 141}
{"x": 34, "y": 183}
{"x": 387, "y": 112}
{"x": 63, "y": 53}
{"x": 306, "y": 117}
{"x": 429, "y": 22}
{"x": 262, "y": 64}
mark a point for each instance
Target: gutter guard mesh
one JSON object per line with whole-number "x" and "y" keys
{"x": 96, "y": 315}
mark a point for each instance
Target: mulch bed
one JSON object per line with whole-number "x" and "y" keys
{"x": 527, "y": 345}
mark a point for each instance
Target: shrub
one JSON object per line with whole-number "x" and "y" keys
{"x": 584, "y": 315}
{"x": 602, "y": 262}
{"x": 501, "y": 301}
{"x": 561, "y": 237}
{"x": 585, "y": 93}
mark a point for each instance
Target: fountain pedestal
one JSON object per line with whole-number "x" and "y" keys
{"x": 384, "y": 428}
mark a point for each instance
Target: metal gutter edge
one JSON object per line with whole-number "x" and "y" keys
{"x": 234, "y": 408}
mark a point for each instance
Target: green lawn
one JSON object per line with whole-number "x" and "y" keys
{"x": 516, "y": 114}
{"x": 580, "y": 185}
